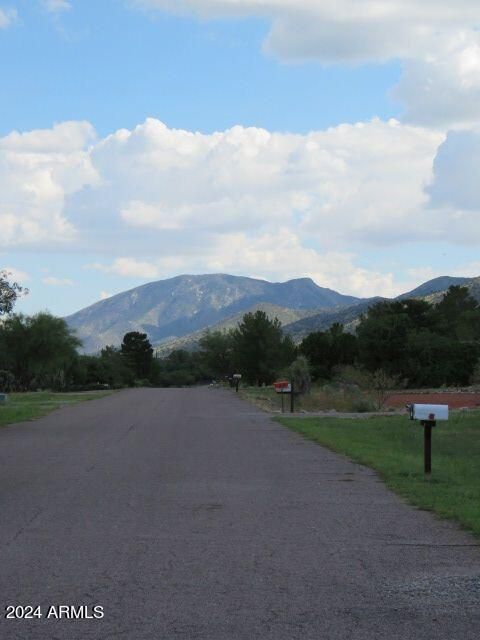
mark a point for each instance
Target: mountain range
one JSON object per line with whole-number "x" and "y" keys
{"x": 174, "y": 313}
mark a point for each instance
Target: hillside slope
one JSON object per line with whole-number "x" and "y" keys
{"x": 173, "y": 308}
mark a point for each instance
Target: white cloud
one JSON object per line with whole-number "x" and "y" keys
{"x": 274, "y": 255}
{"x": 7, "y": 17}
{"x": 443, "y": 88}
{"x": 361, "y": 182}
{"x": 342, "y": 30}
{"x": 104, "y": 295}
{"x": 57, "y": 6}
{"x": 157, "y": 201}
{"x": 437, "y": 41}
{"x": 53, "y": 281}
{"x": 38, "y": 170}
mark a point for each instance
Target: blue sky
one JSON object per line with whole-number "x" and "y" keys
{"x": 326, "y": 144}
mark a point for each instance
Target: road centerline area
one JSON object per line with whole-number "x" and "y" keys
{"x": 184, "y": 513}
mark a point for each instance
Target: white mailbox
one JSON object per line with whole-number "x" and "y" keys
{"x": 431, "y": 412}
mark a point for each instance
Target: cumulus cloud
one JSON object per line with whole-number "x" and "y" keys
{"x": 38, "y": 170}
{"x": 455, "y": 188}
{"x": 161, "y": 201}
{"x": 342, "y": 30}
{"x": 272, "y": 256}
{"x": 361, "y": 182}
{"x": 457, "y": 172}
{"x": 437, "y": 41}
{"x": 7, "y": 17}
{"x": 443, "y": 88}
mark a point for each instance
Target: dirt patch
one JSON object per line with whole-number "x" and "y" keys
{"x": 454, "y": 399}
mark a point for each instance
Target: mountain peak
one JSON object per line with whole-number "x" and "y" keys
{"x": 184, "y": 304}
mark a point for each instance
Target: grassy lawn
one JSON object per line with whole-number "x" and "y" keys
{"x": 393, "y": 446}
{"x": 28, "y": 406}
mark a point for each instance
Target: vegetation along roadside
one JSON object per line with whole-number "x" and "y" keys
{"x": 393, "y": 447}
{"x": 29, "y": 406}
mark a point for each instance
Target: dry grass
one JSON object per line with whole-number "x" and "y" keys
{"x": 320, "y": 398}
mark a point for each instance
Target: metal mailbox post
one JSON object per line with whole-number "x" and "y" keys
{"x": 236, "y": 378}
{"x": 285, "y": 386}
{"x": 428, "y": 414}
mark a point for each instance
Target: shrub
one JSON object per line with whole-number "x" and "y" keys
{"x": 7, "y": 381}
{"x": 299, "y": 372}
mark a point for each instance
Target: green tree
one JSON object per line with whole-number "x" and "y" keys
{"x": 138, "y": 353}
{"x": 115, "y": 370}
{"x": 217, "y": 352}
{"x": 383, "y": 333}
{"x": 326, "y": 350}
{"x": 458, "y": 314}
{"x": 260, "y": 350}
{"x": 38, "y": 350}
{"x": 424, "y": 344}
{"x": 9, "y": 292}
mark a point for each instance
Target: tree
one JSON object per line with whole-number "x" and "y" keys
{"x": 260, "y": 350}
{"x": 217, "y": 352}
{"x": 9, "y": 293}
{"x": 38, "y": 350}
{"x": 326, "y": 350}
{"x": 138, "y": 353}
{"x": 382, "y": 334}
{"x": 423, "y": 344}
{"x": 458, "y": 314}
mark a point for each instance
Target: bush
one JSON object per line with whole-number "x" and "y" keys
{"x": 362, "y": 405}
{"x": 299, "y": 372}
{"x": 7, "y": 381}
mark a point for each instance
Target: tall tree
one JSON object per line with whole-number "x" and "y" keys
{"x": 260, "y": 350}
{"x": 382, "y": 334}
{"x": 217, "y": 352}
{"x": 138, "y": 353}
{"x": 38, "y": 349}
{"x": 327, "y": 349}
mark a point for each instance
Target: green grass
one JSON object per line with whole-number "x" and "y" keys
{"x": 393, "y": 446}
{"x": 29, "y": 406}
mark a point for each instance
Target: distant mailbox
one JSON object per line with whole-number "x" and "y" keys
{"x": 430, "y": 412}
{"x": 237, "y": 376}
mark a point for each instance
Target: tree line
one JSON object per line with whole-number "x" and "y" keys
{"x": 409, "y": 342}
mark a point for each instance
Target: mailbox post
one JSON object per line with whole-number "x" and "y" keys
{"x": 284, "y": 386}
{"x": 236, "y": 378}
{"x": 428, "y": 414}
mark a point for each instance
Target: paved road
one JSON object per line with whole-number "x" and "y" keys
{"x": 188, "y": 514}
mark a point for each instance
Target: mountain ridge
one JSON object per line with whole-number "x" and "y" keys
{"x": 175, "y": 312}
{"x": 173, "y": 308}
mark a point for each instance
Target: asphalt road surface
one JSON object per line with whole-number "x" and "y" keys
{"x": 186, "y": 513}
